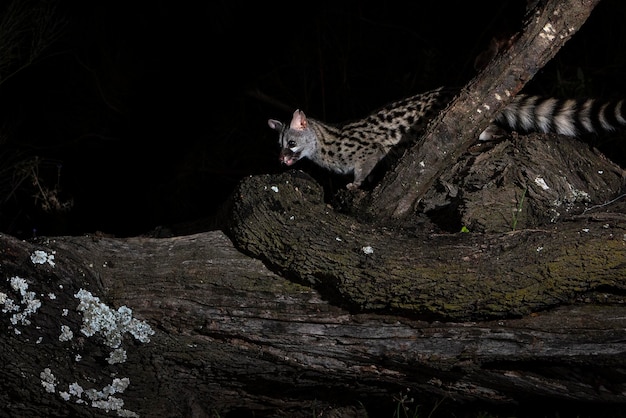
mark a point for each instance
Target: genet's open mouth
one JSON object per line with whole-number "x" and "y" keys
{"x": 288, "y": 157}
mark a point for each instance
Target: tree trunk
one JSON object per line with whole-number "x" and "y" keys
{"x": 231, "y": 335}
{"x": 548, "y": 27}
{"x": 284, "y": 221}
{"x": 342, "y": 317}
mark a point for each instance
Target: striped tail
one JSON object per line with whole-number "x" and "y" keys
{"x": 566, "y": 117}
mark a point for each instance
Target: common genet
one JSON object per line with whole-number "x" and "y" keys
{"x": 357, "y": 147}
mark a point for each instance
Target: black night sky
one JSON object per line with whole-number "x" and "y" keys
{"x": 148, "y": 113}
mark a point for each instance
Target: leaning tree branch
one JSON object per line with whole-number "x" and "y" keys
{"x": 456, "y": 129}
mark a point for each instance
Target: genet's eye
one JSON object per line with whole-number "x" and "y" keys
{"x": 291, "y": 143}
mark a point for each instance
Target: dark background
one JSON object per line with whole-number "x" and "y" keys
{"x": 147, "y": 113}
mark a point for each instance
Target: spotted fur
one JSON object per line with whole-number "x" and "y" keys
{"x": 357, "y": 147}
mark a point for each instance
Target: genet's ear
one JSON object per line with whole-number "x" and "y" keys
{"x": 275, "y": 124}
{"x": 298, "y": 121}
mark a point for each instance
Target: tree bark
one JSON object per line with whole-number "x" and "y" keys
{"x": 548, "y": 28}
{"x": 231, "y": 335}
{"x": 337, "y": 317}
{"x": 284, "y": 221}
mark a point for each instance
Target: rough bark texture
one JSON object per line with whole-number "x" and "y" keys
{"x": 232, "y": 336}
{"x": 510, "y": 318}
{"x": 349, "y": 315}
{"x": 545, "y": 32}
{"x": 284, "y": 221}
{"x": 522, "y": 182}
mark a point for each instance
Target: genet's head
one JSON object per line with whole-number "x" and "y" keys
{"x": 296, "y": 140}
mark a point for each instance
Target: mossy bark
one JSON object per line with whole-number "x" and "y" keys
{"x": 464, "y": 276}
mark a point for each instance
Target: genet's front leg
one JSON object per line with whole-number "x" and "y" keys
{"x": 361, "y": 171}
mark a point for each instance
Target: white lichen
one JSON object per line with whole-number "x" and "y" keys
{"x": 101, "y": 399}
{"x": 28, "y": 305}
{"x": 42, "y": 257}
{"x": 117, "y": 356}
{"x": 126, "y": 413}
{"x": 110, "y": 404}
{"x": 367, "y": 250}
{"x": 8, "y": 304}
{"x": 119, "y": 385}
{"x": 76, "y": 389}
{"x": 104, "y": 399}
{"x": 541, "y": 183}
{"x": 98, "y": 318}
{"x": 578, "y": 195}
{"x": 18, "y": 284}
{"x": 112, "y": 325}
{"x": 48, "y": 381}
{"x": 66, "y": 333}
